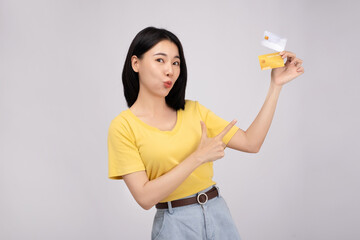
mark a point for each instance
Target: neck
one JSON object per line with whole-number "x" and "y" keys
{"x": 150, "y": 105}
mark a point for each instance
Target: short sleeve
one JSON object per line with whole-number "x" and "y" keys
{"x": 214, "y": 123}
{"x": 123, "y": 154}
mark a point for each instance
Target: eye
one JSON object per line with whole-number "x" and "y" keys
{"x": 177, "y": 63}
{"x": 161, "y": 60}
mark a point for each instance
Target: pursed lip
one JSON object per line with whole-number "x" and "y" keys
{"x": 168, "y": 83}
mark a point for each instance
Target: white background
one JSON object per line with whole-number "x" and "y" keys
{"x": 60, "y": 86}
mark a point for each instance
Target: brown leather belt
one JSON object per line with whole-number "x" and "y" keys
{"x": 200, "y": 198}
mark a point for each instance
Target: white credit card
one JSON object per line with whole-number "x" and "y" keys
{"x": 274, "y": 41}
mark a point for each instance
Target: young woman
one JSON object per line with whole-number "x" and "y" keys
{"x": 163, "y": 146}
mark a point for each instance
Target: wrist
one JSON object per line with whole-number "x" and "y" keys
{"x": 196, "y": 158}
{"x": 275, "y": 87}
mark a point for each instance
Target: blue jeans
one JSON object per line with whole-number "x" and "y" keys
{"x": 211, "y": 220}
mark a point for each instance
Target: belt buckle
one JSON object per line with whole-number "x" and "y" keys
{"x": 198, "y": 198}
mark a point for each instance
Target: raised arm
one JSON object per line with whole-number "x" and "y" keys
{"x": 252, "y": 139}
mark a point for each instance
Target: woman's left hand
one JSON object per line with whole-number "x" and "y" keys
{"x": 291, "y": 70}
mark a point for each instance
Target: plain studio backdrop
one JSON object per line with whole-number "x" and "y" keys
{"x": 60, "y": 87}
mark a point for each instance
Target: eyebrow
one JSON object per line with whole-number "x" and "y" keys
{"x": 163, "y": 54}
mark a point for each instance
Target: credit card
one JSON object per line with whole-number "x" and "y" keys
{"x": 272, "y": 60}
{"x": 274, "y": 41}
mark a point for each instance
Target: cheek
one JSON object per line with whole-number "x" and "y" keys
{"x": 149, "y": 71}
{"x": 177, "y": 72}
{"x": 153, "y": 70}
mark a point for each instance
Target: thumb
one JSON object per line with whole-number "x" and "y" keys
{"x": 203, "y": 128}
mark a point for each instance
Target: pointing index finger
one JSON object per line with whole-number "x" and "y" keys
{"x": 226, "y": 129}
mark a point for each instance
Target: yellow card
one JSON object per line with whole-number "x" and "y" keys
{"x": 272, "y": 60}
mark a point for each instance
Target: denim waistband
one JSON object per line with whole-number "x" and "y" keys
{"x": 171, "y": 210}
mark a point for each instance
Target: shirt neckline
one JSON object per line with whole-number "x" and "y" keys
{"x": 170, "y": 132}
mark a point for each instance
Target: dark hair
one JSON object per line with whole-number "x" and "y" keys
{"x": 143, "y": 41}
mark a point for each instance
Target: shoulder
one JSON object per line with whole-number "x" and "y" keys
{"x": 190, "y": 104}
{"x": 122, "y": 122}
{"x": 195, "y": 106}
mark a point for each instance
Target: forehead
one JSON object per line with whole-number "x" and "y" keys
{"x": 165, "y": 46}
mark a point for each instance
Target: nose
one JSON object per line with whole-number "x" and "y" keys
{"x": 169, "y": 70}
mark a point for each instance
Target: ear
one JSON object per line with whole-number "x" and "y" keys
{"x": 135, "y": 63}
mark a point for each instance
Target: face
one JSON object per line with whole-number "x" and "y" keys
{"x": 158, "y": 69}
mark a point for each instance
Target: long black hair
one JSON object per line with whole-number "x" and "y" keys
{"x": 143, "y": 41}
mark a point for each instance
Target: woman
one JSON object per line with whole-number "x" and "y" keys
{"x": 163, "y": 146}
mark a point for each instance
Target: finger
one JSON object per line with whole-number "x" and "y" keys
{"x": 296, "y": 61}
{"x": 226, "y": 129}
{"x": 300, "y": 69}
{"x": 288, "y": 59}
{"x": 288, "y": 55}
{"x": 203, "y": 129}
{"x": 282, "y": 54}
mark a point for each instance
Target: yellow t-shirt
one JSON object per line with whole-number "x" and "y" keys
{"x": 135, "y": 146}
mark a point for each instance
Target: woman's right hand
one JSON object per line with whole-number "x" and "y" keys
{"x": 211, "y": 149}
